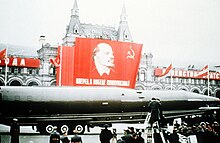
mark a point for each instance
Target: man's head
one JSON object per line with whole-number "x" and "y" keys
{"x": 64, "y": 132}
{"x": 75, "y": 132}
{"x": 103, "y": 55}
{"x": 105, "y": 126}
{"x": 131, "y": 129}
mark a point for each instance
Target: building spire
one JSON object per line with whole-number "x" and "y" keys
{"x": 73, "y": 30}
{"x": 75, "y": 10}
{"x": 123, "y": 29}
{"x": 123, "y": 17}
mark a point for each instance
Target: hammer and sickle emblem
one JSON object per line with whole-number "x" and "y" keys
{"x": 131, "y": 54}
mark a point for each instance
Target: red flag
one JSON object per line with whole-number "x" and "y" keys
{"x": 205, "y": 68}
{"x": 3, "y": 54}
{"x": 204, "y": 71}
{"x": 167, "y": 72}
{"x": 55, "y": 61}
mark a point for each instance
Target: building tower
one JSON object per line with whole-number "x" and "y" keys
{"x": 77, "y": 29}
{"x": 123, "y": 29}
{"x": 46, "y": 71}
{"x": 73, "y": 30}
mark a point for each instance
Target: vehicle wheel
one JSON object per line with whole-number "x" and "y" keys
{"x": 49, "y": 129}
{"x": 64, "y": 128}
{"x": 80, "y": 129}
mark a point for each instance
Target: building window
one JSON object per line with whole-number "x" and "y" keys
{"x": 34, "y": 71}
{"x": 37, "y": 71}
{"x": 25, "y": 70}
{"x": 197, "y": 81}
{"x": 162, "y": 80}
{"x": 51, "y": 70}
{"x": 12, "y": 70}
{"x": 16, "y": 70}
{"x": 30, "y": 71}
{"x": 142, "y": 76}
{"x": 168, "y": 80}
{"x": 126, "y": 34}
{"x": 76, "y": 29}
{"x": 3, "y": 70}
{"x": 189, "y": 81}
{"x": 177, "y": 80}
{"x": 201, "y": 81}
{"x": 211, "y": 82}
{"x": 193, "y": 81}
{"x": 19, "y": 70}
{"x": 137, "y": 78}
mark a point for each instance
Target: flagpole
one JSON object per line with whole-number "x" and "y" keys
{"x": 171, "y": 78}
{"x": 6, "y": 65}
{"x": 208, "y": 80}
{"x": 60, "y": 75}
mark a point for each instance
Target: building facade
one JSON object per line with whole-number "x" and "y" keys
{"x": 45, "y": 74}
{"x": 147, "y": 79}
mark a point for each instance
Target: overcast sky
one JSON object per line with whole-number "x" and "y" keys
{"x": 181, "y": 32}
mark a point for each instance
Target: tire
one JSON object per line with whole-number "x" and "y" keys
{"x": 49, "y": 129}
{"x": 64, "y": 128}
{"x": 80, "y": 129}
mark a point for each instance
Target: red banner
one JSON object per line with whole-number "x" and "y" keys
{"x": 21, "y": 62}
{"x": 97, "y": 62}
{"x": 189, "y": 74}
{"x": 106, "y": 63}
{"x": 66, "y": 63}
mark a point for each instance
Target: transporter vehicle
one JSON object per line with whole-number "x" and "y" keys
{"x": 71, "y": 108}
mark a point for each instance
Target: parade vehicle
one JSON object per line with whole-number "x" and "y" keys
{"x": 71, "y": 108}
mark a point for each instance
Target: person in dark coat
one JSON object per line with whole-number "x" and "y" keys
{"x": 127, "y": 136}
{"x": 55, "y": 136}
{"x": 173, "y": 137}
{"x": 15, "y": 131}
{"x": 131, "y": 130}
{"x": 76, "y": 138}
{"x": 139, "y": 139}
{"x": 65, "y": 138}
{"x": 155, "y": 109}
{"x": 157, "y": 136}
{"x": 105, "y": 135}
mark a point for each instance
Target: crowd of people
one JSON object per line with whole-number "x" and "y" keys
{"x": 106, "y": 136}
{"x": 55, "y": 137}
{"x": 205, "y": 132}
{"x": 130, "y": 136}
